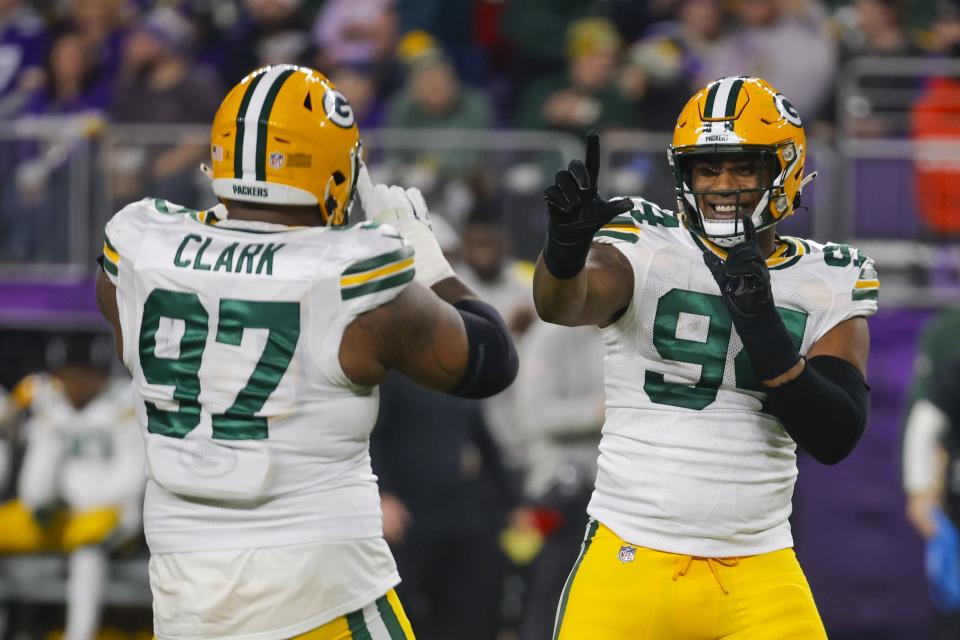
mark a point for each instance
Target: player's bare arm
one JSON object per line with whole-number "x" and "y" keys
{"x": 436, "y": 332}
{"x": 574, "y": 283}
{"x": 594, "y": 296}
{"x": 417, "y": 333}
{"x": 107, "y": 301}
{"x": 849, "y": 341}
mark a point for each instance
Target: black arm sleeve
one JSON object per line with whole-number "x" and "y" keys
{"x": 824, "y": 409}
{"x": 492, "y": 364}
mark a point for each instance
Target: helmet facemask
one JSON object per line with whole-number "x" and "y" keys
{"x": 765, "y": 203}
{"x": 339, "y": 192}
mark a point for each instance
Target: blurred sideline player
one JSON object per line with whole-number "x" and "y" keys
{"x": 257, "y": 333}
{"x": 80, "y": 487}
{"x": 931, "y": 465}
{"x": 726, "y": 347}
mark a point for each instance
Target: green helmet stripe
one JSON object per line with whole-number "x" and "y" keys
{"x": 241, "y": 126}
{"x": 731, "y": 109}
{"x": 264, "y": 119}
{"x": 711, "y": 98}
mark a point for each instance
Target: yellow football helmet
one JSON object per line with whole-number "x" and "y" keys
{"x": 286, "y": 136}
{"x": 740, "y": 115}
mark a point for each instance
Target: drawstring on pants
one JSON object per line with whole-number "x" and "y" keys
{"x": 683, "y": 565}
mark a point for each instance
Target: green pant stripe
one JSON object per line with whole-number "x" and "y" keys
{"x": 405, "y": 276}
{"x": 358, "y": 626}
{"x": 591, "y": 531}
{"x": 390, "y": 620}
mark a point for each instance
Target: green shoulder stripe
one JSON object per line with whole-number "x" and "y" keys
{"x": 378, "y": 261}
{"x": 624, "y": 218}
{"x": 626, "y": 237}
{"x": 165, "y": 206}
{"x": 374, "y": 286}
{"x": 110, "y": 267}
{"x": 865, "y": 294}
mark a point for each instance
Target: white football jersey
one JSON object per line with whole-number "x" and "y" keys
{"x": 691, "y": 459}
{"x": 89, "y": 458}
{"x": 255, "y": 437}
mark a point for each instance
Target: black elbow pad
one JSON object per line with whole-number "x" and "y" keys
{"x": 492, "y": 363}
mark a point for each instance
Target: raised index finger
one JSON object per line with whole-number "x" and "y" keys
{"x": 593, "y": 157}
{"x": 749, "y": 230}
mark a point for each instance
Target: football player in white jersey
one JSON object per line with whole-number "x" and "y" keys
{"x": 257, "y": 333}
{"x": 727, "y": 346}
{"x": 80, "y": 487}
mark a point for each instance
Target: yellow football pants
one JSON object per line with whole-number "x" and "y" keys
{"x": 384, "y": 619}
{"x": 20, "y": 532}
{"x": 618, "y": 591}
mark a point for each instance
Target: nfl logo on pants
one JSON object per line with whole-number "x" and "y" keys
{"x": 627, "y": 553}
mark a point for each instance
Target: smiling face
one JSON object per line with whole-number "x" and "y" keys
{"x": 726, "y": 188}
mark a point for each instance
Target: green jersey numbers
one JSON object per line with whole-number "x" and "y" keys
{"x": 282, "y": 319}
{"x": 841, "y": 255}
{"x": 182, "y": 372}
{"x": 702, "y": 314}
{"x": 710, "y": 354}
{"x": 178, "y": 365}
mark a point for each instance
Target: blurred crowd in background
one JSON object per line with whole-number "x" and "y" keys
{"x": 70, "y": 69}
{"x": 483, "y": 503}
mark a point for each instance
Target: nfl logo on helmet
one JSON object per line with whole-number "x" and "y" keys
{"x": 276, "y": 159}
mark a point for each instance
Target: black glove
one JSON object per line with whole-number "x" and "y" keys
{"x": 576, "y": 213}
{"x": 744, "y": 282}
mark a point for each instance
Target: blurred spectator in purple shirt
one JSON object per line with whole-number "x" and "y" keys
{"x": 663, "y": 68}
{"x": 23, "y": 47}
{"x": 787, "y": 43}
{"x": 269, "y": 32}
{"x": 75, "y": 83}
{"x": 160, "y": 85}
{"x": 360, "y": 85}
{"x": 104, "y": 25}
{"x": 69, "y": 109}
{"x": 355, "y": 32}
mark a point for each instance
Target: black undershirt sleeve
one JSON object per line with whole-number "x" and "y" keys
{"x": 824, "y": 409}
